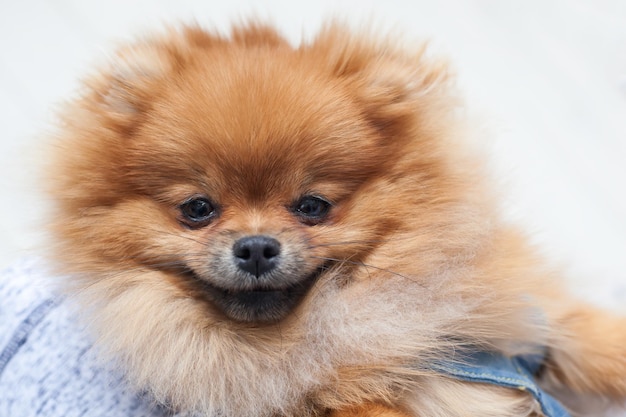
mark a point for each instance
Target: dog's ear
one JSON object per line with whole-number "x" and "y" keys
{"x": 255, "y": 34}
{"x": 126, "y": 86}
{"x": 394, "y": 84}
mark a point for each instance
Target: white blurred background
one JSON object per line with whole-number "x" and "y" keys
{"x": 548, "y": 76}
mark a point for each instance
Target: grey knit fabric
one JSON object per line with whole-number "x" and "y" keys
{"x": 47, "y": 365}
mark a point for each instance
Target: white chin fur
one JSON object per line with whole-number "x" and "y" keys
{"x": 171, "y": 346}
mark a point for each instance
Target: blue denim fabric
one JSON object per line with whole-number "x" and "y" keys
{"x": 511, "y": 372}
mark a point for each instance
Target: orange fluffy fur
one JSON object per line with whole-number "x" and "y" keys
{"x": 415, "y": 262}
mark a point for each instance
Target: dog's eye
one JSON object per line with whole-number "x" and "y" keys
{"x": 197, "y": 211}
{"x": 312, "y": 209}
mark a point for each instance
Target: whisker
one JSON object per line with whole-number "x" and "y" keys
{"x": 363, "y": 264}
{"x": 357, "y": 242}
{"x": 168, "y": 233}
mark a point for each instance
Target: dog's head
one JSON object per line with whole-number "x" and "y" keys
{"x": 244, "y": 168}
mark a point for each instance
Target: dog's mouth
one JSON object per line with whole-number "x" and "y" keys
{"x": 259, "y": 305}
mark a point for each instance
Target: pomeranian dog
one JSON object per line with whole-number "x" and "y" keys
{"x": 261, "y": 229}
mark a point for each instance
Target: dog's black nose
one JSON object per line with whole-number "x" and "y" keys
{"x": 256, "y": 254}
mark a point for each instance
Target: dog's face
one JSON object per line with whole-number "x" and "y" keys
{"x": 251, "y": 167}
{"x": 245, "y": 170}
